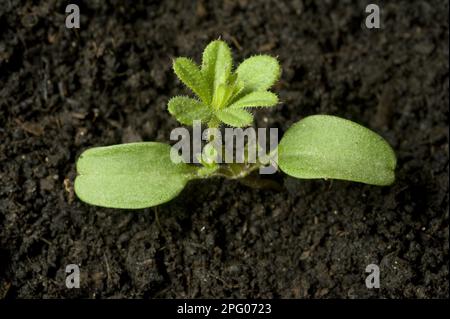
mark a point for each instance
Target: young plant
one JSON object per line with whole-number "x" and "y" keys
{"x": 139, "y": 175}
{"x": 223, "y": 95}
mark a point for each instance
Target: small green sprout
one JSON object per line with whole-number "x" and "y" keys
{"x": 139, "y": 175}
{"x": 223, "y": 94}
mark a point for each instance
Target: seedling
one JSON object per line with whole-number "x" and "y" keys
{"x": 139, "y": 175}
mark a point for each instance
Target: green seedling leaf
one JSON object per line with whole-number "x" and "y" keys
{"x": 323, "y": 146}
{"x": 235, "y": 117}
{"x": 255, "y": 99}
{"x": 135, "y": 175}
{"x": 223, "y": 91}
{"x": 259, "y": 72}
{"x": 221, "y": 96}
{"x": 189, "y": 73}
{"x": 186, "y": 110}
{"x": 216, "y": 64}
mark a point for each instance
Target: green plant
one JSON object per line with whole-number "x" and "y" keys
{"x": 139, "y": 175}
{"x": 223, "y": 94}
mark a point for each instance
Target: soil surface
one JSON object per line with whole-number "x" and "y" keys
{"x": 65, "y": 90}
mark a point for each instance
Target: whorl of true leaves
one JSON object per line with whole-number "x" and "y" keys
{"x": 223, "y": 95}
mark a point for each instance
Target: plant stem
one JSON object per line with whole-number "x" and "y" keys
{"x": 230, "y": 171}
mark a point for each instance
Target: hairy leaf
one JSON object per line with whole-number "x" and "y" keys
{"x": 135, "y": 175}
{"x": 257, "y": 98}
{"x": 189, "y": 73}
{"x": 259, "y": 72}
{"x": 222, "y": 95}
{"x": 186, "y": 110}
{"x": 323, "y": 146}
{"x": 235, "y": 117}
{"x": 216, "y": 64}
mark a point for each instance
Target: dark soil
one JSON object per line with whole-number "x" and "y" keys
{"x": 62, "y": 91}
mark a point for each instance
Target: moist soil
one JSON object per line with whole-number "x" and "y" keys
{"x": 65, "y": 90}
